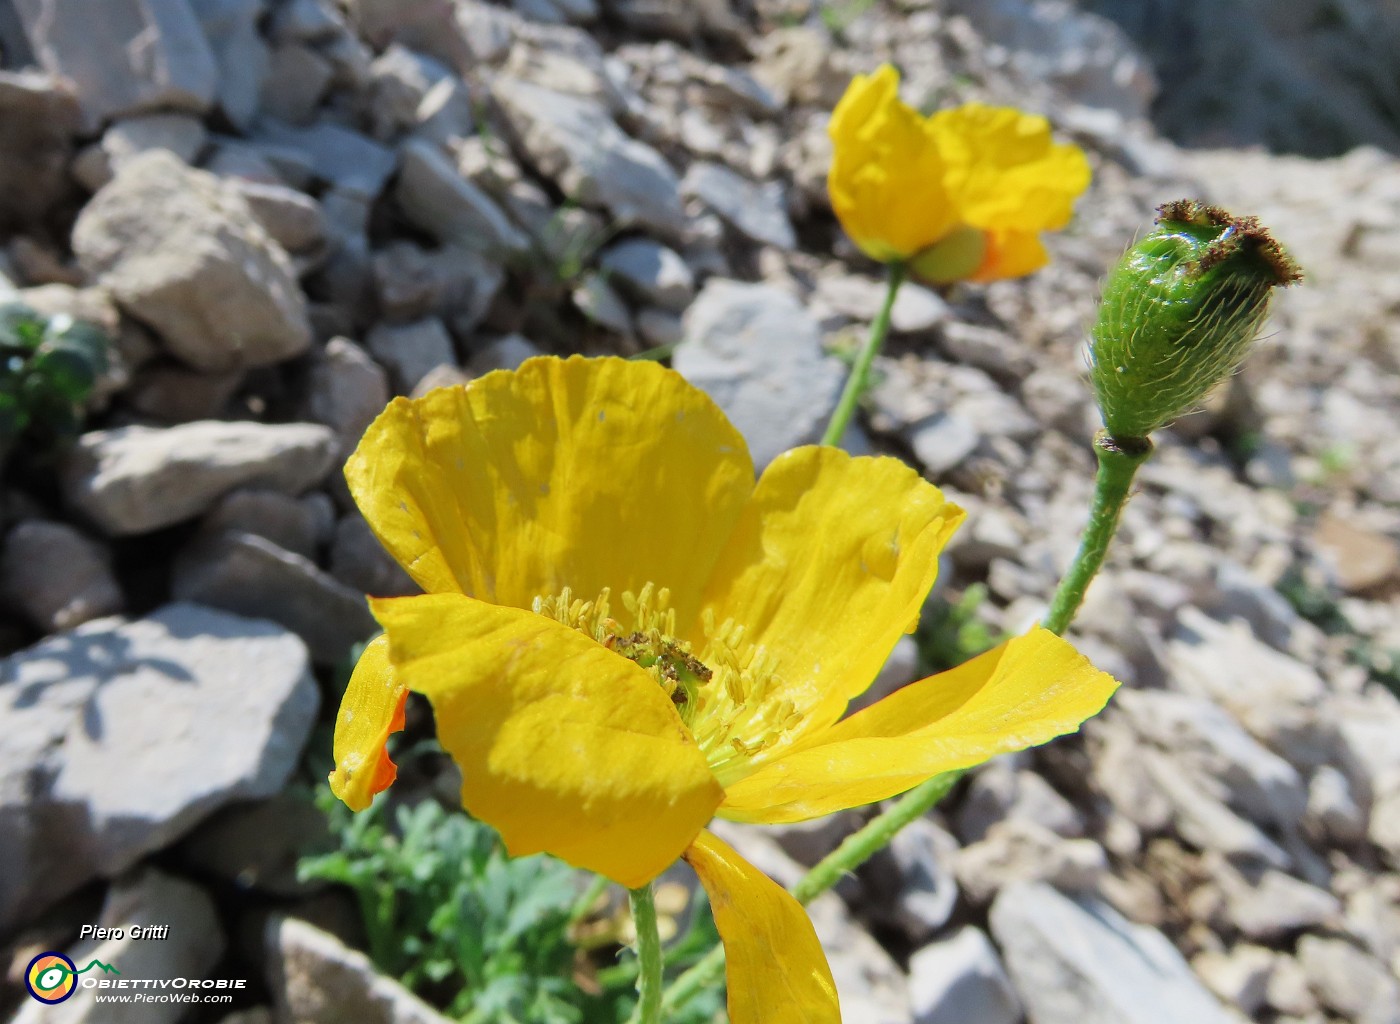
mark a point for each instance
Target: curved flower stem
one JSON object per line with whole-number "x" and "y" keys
{"x": 1119, "y": 459}
{"x": 860, "y": 846}
{"x": 648, "y": 1009}
{"x": 860, "y": 372}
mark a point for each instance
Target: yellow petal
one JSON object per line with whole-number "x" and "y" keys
{"x": 1011, "y": 254}
{"x": 886, "y": 176}
{"x": 828, "y": 566}
{"x": 585, "y": 473}
{"x": 774, "y": 966}
{"x": 371, "y": 709}
{"x": 564, "y": 746}
{"x": 1025, "y": 692}
{"x": 1004, "y": 170}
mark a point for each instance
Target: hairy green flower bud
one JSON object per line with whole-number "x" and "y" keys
{"x": 1179, "y": 314}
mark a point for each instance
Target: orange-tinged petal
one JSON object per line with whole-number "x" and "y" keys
{"x": 1003, "y": 169}
{"x": 1011, "y": 254}
{"x": 585, "y": 473}
{"x": 774, "y": 966}
{"x": 564, "y": 746}
{"x": 1025, "y": 692}
{"x": 371, "y": 709}
{"x": 828, "y": 566}
{"x": 886, "y": 176}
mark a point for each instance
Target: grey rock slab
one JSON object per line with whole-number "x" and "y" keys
{"x": 436, "y": 199}
{"x": 755, "y": 210}
{"x": 1197, "y": 731}
{"x": 659, "y": 326}
{"x": 916, "y": 308}
{"x": 872, "y": 988}
{"x": 153, "y": 54}
{"x": 299, "y": 525}
{"x": 1268, "y": 692}
{"x": 960, "y": 980}
{"x": 360, "y": 562}
{"x": 39, "y": 116}
{"x": 144, "y": 899}
{"x": 1364, "y": 744}
{"x": 942, "y": 441}
{"x": 1021, "y": 851}
{"x": 183, "y": 253}
{"x": 650, "y": 271}
{"x": 257, "y": 845}
{"x": 1240, "y": 977}
{"x": 756, "y": 352}
{"x": 505, "y": 353}
{"x": 1349, "y": 981}
{"x": 231, "y": 29}
{"x": 136, "y": 479}
{"x": 455, "y": 284}
{"x": 340, "y": 156}
{"x": 1202, "y": 815}
{"x": 293, "y": 219}
{"x": 913, "y": 880}
{"x": 181, "y": 134}
{"x": 348, "y": 389}
{"x": 171, "y": 392}
{"x": 250, "y": 575}
{"x": 1277, "y": 905}
{"x": 1333, "y": 812}
{"x": 1081, "y": 962}
{"x": 399, "y": 79}
{"x": 987, "y": 349}
{"x": 575, "y": 142}
{"x": 411, "y": 350}
{"x": 999, "y": 791}
{"x": 316, "y": 979}
{"x": 445, "y": 115}
{"x": 56, "y": 576}
{"x": 596, "y": 299}
{"x": 122, "y": 735}
{"x": 294, "y": 84}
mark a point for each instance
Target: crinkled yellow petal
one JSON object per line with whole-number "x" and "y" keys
{"x": 1011, "y": 254}
{"x": 371, "y": 709}
{"x": 1003, "y": 169}
{"x": 886, "y": 176}
{"x": 564, "y": 746}
{"x": 1025, "y": 692}
{"x": 585, "y": 473}
{"x": 829, "y": 564}
{"x": 774, "y": 966}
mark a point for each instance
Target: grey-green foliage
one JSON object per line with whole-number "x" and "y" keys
{"x": 448, "y": 913}
{"x": 1179, "y": 313}
{"x": 48, "y": 366}
{"x": 455, "y": 919}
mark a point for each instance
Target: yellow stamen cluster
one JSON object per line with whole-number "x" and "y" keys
{"x": 742, "y": 714}
{"x": 650, "y": 641}
{"x": 729, "y": 696}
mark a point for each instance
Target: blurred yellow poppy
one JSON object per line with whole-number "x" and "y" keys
{"x": 960, "y": 195}
{"x": 624, "y": 635}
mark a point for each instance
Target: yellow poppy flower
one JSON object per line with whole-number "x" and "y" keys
{"x": 960, "y": 195}
{"x": 624, "y": 635}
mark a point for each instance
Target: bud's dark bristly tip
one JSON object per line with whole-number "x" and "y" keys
{"x": 1179, "y": 313}
{"x": 1238, "y": 235}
